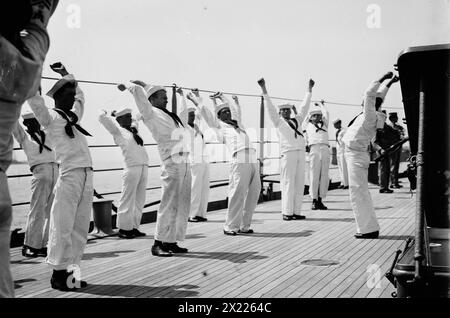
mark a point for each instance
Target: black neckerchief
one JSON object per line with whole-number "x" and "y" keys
{"x": 235, "y": 125}
{"x": 72, "y": 120}
{"x": 197, "y": 131}
{"x": 174, "y": 117}
{"x": 292, "y": 122}
{"x": 40, "y": 142}
{"x": 136, "y": 136}
{"x": 353, "y": 120}
{"x": 317, "y": 126}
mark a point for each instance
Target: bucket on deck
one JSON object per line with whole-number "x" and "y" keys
{"x": 102, "y": 218}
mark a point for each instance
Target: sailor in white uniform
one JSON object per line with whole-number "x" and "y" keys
{"x": 171, "y": 136}
{"x": 292, "y": 148}
{"x": 134, "y": 178}
{"x": 245, "y": 183}
{"x": 41, "y": 159}
{"x": 198, "y": 159}
{"x": 319, "y": 155}
{"x": 71, "y": 210}
{"x": 360, "y": 132}
{"x": 340, "y": 154}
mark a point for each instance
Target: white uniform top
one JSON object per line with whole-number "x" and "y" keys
{"x": 134, "y": 154}
{"x": 286, "y": 135}
{"x": 359, "y": 135}
{"x": 319, "y": 137}
{"x": 196, "y": 145}
{"x": 31, "y": 148}
{"x": 170, "y": 138}
{"x": 234, "y": 139}
{"x": 71, "y": 153}
{"x": 340, "y": 146}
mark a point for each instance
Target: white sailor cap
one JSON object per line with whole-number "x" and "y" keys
{"x": 122, "y": 112}
{"x": 221, "y": 106}
{"x": 63, "y": 81}
{"x": 28, "y": 115}
{"x": 285, "y": 106}
{"x": 337, "y": 120}
{"x": 152, "y": 89}
{"x": 315, "y": 111}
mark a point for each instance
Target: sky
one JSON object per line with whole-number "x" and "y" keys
{"x": 228, "y": 45}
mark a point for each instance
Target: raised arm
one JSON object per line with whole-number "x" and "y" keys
{"x": 78, "y": 105}
{"x": 109, "y": 123}
{"x": 371, "y": 94}
{"x": 325, "y": 113}
{"x": 140, "y": 98}
{"x": 270, "y": 107}
{"x": 183, "y": 107}
{"x": 304, "y": 107}
{"x": 42, "y": 113}
{"x": 235, "y": 108}
{"x": 19, "y": 133}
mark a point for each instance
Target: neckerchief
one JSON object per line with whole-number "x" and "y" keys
{"x": 292, "y": 122}
{"x": 235, "y": 125}
{"x": 174, "y": 117}
{"x": 136, "y": 137}
{"x": 317, "y": 126}
{"x": 353, "y": 120}
{"x": 72, "y": 120}
{"x": 40, "y": 142}
{"x": 197, "y": 130}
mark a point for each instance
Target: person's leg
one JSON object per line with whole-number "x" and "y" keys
{"x": 184, "y": 200}
{"x": 360, "y": 198}
{"x": 344, "y": 170}
{"x": 324, "y": 171}
{"x": 395, "y": 163}
{"x": 127, "y": 203}
{"x": 140, "y": 196}
{"x": 196, "y": 189}
{"x": 287, "y": 182}
{"x": 340, "y": 160}
{"x": 48, "y": 207}
{"x": 205, "y": 191}
{"x": 314, "y": 176}
{"x": 83, "y": 215}
{"x": 254, "y": 190}
{"x": 299, "y": 182}
{"x": 41, "y": 187}
{"x": 239, "y": 182}
{"x": 6, "y": 281}
{"x": 384, "y": 174}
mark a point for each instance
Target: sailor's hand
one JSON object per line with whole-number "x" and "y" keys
{"x": 311, "y": 84}
{"x": 196, "y": 92}
{"x": 140, "y": 83}
{"x": 180, "y": 91}
{"x": 121, "y": 87}
{"x": 235, "y": 98}
{"x": 59, "y": 68}
{"x": 192, "y": 98}
{"x": 395, "y": 79}
{"x": 294, "y": 109}
{"x": 322, "y": 102}
{"x": 102, "y": 112}
{"x": 262, "y": 82}
{"x": 388, "y": 75}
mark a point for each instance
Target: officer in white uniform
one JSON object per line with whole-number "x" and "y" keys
{"x": 244, "y": 183}
{"x": 71, "y": 210}
{"x": 41, "y": 159}
{"x": 198, "y": 159}
{"x": 292, "y": 148}
{"x": 360, "y": 132}
{"x": 319, "y": 155}
{"x": 134, "y": 178}
{"x": 340, "y": 154}
{"x": 23, "y": 52}
{"x": 171, "y": 136}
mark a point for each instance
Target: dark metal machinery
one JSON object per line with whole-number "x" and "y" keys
{"x": 422, "y": 269}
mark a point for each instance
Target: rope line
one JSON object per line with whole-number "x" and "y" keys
{"x": 226, "y": 93}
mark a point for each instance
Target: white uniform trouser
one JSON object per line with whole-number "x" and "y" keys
{"x": 173, "y": 213}
{"x": 6, "y": 281}
{"x": 132, "y": 199}
{"x": 243, "y": 195}
{"x": 292, "y": 181}
{"x": 69, "y": 218}
{"x": 319, "y": 163}
{"x": 342, "y": 165}
{"x": 200, "y": 189}
{"x": 358, "y": 168}
{"x": 42, "y": 184}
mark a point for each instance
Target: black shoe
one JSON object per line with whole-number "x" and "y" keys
{"x": 386, "y": 191}
{"x": 321, "y": 205}
{"x": 315, "y": 205}
{"x": 126, "y": 234}
{"x": 30, "y": 252}
{"x": 287, "y": 217}
{"x": 158, "y": 250}
{"x": 298, "y": 217}
{"x": 371, "y": 235}
{"x": 249, "y": 231}
{"x": 174, "y": 248}
{"x": 60, "y": 279}
{"x": 194, "y": 219}
{"x": 138, "y": 233}
{"x": 341, "y": 187}
{"x": 42, "y": 252}
{"x": 345, "y": 187}
{"x": 396, "y": 186}
{"x": 231, "y": 233}
{"x": 201, "y": 219}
